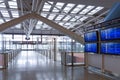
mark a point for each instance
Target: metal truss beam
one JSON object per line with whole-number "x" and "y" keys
{"x": 48, "y": 22}
{"x": 13, "y": 22}
{"x": 81, "y": 25}
{"x": 60, "y": 28}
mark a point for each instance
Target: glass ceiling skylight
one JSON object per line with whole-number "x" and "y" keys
{"x": 15, "y": 13}
{"x": 2, "y": 5}
{"x": 73, "y": 19}
{"x": 51, "y": 16}
{"x": 68, "y": 7}
{"x": 77, "y": 17}
{"x": 87, "y": 9}
{"x": 5, "y": 13}
{"x": 67, "y": 24}
{"x": 38, "y": 27}
{"x": 67, "y": 18}
{"x": 12, "y": 4}
{"x": 61, "y": 23}
{"x": 44, "y": 15}
{"x": 18, "y": 26}
{"x": 39, "y": 23}
{"x": 1, "y": 21}
{"x": 46, "y": 26}
{"x": 59, "y": 5}
{"x": 8, "y": 19}
{"x": 95, "y": 10}
{"x": 83, "y": 18}
{"x": 77, "y": 9}
{"x": 47, "y": 6}
{"x": 59, "y": 17}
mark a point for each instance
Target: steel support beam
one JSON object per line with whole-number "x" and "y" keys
{"x": 48, "y": 22}
{"x": 14, "y": 22}
{"x": 60, "y": 28}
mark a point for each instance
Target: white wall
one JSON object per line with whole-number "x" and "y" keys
{"x": 111, "y": 62}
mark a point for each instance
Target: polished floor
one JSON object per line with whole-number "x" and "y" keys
{"x": 30, "y": 65}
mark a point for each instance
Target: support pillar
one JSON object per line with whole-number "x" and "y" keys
{"x": 54, "y": 49}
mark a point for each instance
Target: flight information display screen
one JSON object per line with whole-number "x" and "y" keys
{"x": 110, "y": 48}
{"x": 90, "y": 37}
{"x": 110, "y": 34}
{"x": 91, "y": 47}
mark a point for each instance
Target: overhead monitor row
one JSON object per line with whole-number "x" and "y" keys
{"x": 105, "y": 34}
{"x": 105, "y": 41}
{"x": 105, "y": 48}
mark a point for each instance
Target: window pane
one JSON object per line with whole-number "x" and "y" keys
{"x": 95, "y": 10}
{"x": 2, "y": 5}
{"x": 12, "y": 4}
{"x": 83, "y": 18}
{"x": 87, "y": 9}
{"x": 47, "y": 6}
{"x": 68, "y": 7}
{"x": 67, "y": 18}
{"x": 59, "y": 17}
{"x": 51, "y": 16}
{"x": 15, "y": 13}
{"x": 5, "y": 13}
{"x": 59, "y": 5}
{"x": 44, "y": 15}
{"x": 77, "y": 9}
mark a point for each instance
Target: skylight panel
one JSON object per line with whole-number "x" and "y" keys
{"x": 61, "y": 23}
{"x": 2, "y": 5}
{"x": 46, "y": 26}
{"x": 47, "y": 6}
{"x": 12, "y": 4}
{"x": 38, "y": 27}
{"x": 8, "y": 19}
{"x": 44, "y": 15}
{"x": 18, "y": 26}
{"x": 95, "y": 10}
{"x": 1, "y": 21}
{"x": 67, "y": 24}
{"x": 15, "y": 13}
{"x": 67, "y": 18}
{"x": 87, "y": 9}
{"x": 51, "y": 16}
{"x": 83, "y": 18}
{"x": 77, "y": 9}
{"x": 77, "y": 17}
{"x": 59, "y": 17}
{"x": 39, "y": 23}
{"x": 68, "y": 7}
{"x": 59, "y": 5}
{"x": 73, "y": 19}
{"x": 5, "y": 13}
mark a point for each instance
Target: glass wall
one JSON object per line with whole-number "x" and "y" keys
{"x": 1, "y": 42}
{"x": 68, "y": 45}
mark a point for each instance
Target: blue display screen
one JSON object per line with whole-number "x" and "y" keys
{"x": 90, "y": 37}
{"x": 110, "y": 34}
{"x": 110, "y": 48}
{"x": 91, "y": 47}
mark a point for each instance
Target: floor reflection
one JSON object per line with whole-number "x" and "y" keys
{"x": 31, "y": 65}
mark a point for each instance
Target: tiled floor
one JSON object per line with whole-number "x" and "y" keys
{"x": 33, "y": 66}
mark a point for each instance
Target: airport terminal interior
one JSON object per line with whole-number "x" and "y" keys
{"x": 59, "y": 40}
